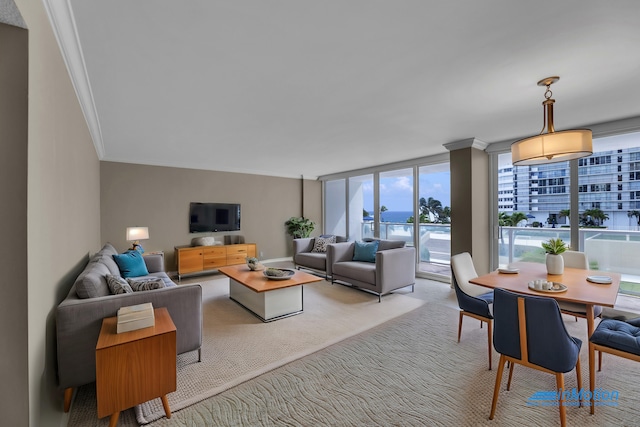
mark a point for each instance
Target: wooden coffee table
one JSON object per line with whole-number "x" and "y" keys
{"x": 267, "y": 299}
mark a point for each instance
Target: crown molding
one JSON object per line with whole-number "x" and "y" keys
{"x": 64, "y": 27}
{"x": 466, "y": 143}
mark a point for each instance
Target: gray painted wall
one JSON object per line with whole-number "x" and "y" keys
{"x": 158, "y": 197}
{"x": 14, "y": 403}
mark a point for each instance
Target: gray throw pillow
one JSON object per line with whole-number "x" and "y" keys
{"x": 320, "y": 244}
{"x": 118, "y": 285}
{"x": 146, "y": 284}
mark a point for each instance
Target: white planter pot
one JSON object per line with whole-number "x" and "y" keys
{"x": 555, "y": 264}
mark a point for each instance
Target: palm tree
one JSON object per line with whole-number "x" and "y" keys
{"x": 636, "y": 214}
{"x": 446, "y": 215}
{"x": 596, "y": 215}
{"x": 517, "y": 217}
{"x": 564, "y": 213}
{"x": 504, "y": 220}
{"x": 383, "y": 208}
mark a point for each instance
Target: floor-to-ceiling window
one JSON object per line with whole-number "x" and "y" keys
{"x": 434, "y": 214}
{"x": 361, "y": 207}
{"x": 385, "y": 203}
{"x": 534, "y": 205}
{"x": 396, "y": 205}
{"x": 335, "y": 212}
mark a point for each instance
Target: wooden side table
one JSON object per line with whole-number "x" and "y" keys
{"x": 135, "y": 367}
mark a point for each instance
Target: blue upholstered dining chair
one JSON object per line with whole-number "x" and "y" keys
{"x": 529, "y": 331}
{"x": 617, "y": 337}
{"x": 473, "y": 300}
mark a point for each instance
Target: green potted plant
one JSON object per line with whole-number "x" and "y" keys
{"x": 299, "y": 227}
{"x": 554, "y": 248}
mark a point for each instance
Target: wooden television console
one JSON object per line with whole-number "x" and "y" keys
{"x": 195, "y": 259}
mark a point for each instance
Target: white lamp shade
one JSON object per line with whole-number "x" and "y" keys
{"x": 137, "y": 233}
{"x": 552, "y": 147}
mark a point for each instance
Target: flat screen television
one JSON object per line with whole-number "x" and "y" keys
{"x": 205, "y": 217}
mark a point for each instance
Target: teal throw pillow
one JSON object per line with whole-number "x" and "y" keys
{"x": 131, "y": 264}
{"x": 365, "y": 251}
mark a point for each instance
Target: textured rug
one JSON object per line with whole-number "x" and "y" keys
{"x": 410, "y": 371}
{"x": 238, "y": 347}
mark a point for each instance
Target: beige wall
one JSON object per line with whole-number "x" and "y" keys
{"x": 14, "y": 390}
{"x": 159, "y": 197}
{"x": 63, "y": 218}
{"x": 470, "y": 231}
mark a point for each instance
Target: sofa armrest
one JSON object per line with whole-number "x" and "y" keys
{"x": 395, "y": 268}
{"x": 303, "y": 245}
{"x": 78, "y": 324}
{"x": 154, "y": 262}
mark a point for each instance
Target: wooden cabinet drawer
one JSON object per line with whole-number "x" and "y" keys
{"x": 214, "y": 251}
{"x": 215, "y": 262}
{"x": 237, "y": 249}
{"x": 191, "y": 259}
{"x": 236, "y": 259}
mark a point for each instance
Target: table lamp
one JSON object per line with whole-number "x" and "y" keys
{"x": 135, "y": 234}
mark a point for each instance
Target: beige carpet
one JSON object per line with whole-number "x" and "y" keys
{"x": 237, "y": 346}
{"x": 410, "y": 371}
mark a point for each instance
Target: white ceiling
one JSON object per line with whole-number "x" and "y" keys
{"x": 308, "y": 87}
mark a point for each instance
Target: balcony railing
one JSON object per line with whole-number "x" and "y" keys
{"x": 607, "y": 250}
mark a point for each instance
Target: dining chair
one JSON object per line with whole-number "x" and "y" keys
{"x": 618, "y": 337}
{"x": 529, "y": 331}
{"x": 575, "y": 259}
{"x": 473, "y": 300}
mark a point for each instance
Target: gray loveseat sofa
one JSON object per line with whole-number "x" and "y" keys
{"x": 305, "y": 257}
{"x": 79, "y": 316}
{"x": 394, "y": 267}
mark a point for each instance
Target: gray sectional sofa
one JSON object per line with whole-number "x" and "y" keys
{"x": 79, "y": 316}
{"x": 305, "y": 257}
{"x": 393, "y": 267}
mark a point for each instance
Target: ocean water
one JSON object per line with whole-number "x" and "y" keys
{"x": 395, "y": 216}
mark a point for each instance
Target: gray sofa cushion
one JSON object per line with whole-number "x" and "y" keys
{"x": 108, "y": 261}
{"x": 92, "y": 282}
{"x": 362, "y": 271}
{"x": 315, "y": 260}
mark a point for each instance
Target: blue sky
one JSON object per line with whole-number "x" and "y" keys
{"x": 396, "y": 193}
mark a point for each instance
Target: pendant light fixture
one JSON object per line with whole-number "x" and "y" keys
{"x": 551, "y": 146}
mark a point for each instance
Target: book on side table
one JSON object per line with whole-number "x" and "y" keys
{"x": 135, "y": 317}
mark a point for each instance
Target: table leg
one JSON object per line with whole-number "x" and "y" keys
{"x": 592, "y": 361}
{"x": 113, "y": 421}
{"x": 165, "y": 404}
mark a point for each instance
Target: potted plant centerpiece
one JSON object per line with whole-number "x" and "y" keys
{"x": 299, "y": 227}
{"x": 554, "y": 261}
{"x": 254, "y": 264}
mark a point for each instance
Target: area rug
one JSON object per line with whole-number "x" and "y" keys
{"x": 410, "y": 371}
{"x": 237, "y": 346}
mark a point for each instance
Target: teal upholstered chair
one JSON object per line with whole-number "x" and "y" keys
{"x": 529, "y": 331}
